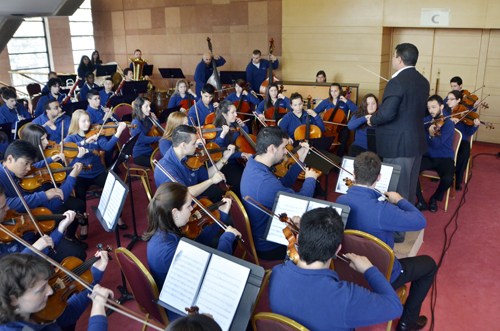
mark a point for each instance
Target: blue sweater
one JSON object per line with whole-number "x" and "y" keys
{"x": 284, "y": 103}
{"x": 179, "y": 171}
{"x": 10, "y": 116}
{"x": 249, "y": 98}
{"x": 142, "y": 146}
{"x": 381, "y": 218}
{"x": 76, "y": 306}
{"x": 203, "y": 73}
{"x": 36, "y": 199}
{"x": 261, "y": 184}
{"x": 161, "y": 249}
{"x": 54, "y": 135}
{"x": 203, "y": 111}
{"x": 85, "y": 89}
{"x": 290, "y": 122}
{"x": 91, "y": 158}
{"x": 97, "y": 115}
{"x": 319, "y": 301}
{"x": 176, "y": 99}
{"x": 256, "y": 76}
{"x": 440, "y": 146}
{"x": 326, "y": 105}
{"x": 164, "y": 146}
{"x": 104, "y": 96}
{"x": 224, "y": 142}
{"x": 39, "y": 106}
{"x": 361, "y": 137}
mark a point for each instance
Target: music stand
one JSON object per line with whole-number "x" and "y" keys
{"x": 171, "y": 73}
{"x": 106, "y": 70}
{"x": 147, "y": 70}
{"x": 124, "y": 156}
{"x": 135, "y": 87}
{"x": 64, "y": 78}
{"x": 230, "y": 77}
{"x": 69, "y": 108}
{"x": 164, "y": 114}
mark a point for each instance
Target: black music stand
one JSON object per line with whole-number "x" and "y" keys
{"x": 147, "y": 70}
{"x": 64, "y": 78}
{"x": 69, "y": 108}
{"x": 106, "y": 70}
{"x": 133, "y": 88}
{"x": 230, "y": 77}
{"x": 124, "y": 156}
{"x": 171, "y": 73}
{"x": 164, "y": 115}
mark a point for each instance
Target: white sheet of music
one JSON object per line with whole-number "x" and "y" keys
{"x": 222, "y": 289}
{"x": 106, "y": 192}
{"x": 184, "y": 276}
{"x": 114, "y": 203}
{"x": 385, "y": 179}
{"x": 348, "y": 164}
{"x": 314, "y": 205}
{"x": 292, "y": 207}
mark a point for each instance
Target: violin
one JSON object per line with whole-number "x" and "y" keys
{"x": 470, "y": 99}
{"x": 271, "y": 77}
{"x": 105, "y": 130}
{"x": 438, "y": 122}
{"x": 36, "y": 177}
{"x": 64, "y": 286}
{"x": 156, "y": 131}
{"x": 70, "y": 150}
{"x": 209, "y": 119}
{"x": 210, "y": 131}
{"x": 469, "y": 116}
{"x": 187, "y": 103}
{"x": 290, "y": 231}
{"x": 20, "y": 223}
{"x": 334, "y": 120}
{"x": 270, "y": 114}
{"x": 307, "y": 131}
{"x": 199, "y": 158}
{"x": 200, "y": 219}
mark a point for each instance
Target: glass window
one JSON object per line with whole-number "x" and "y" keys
{"x": 82, "y": 32}
{"x": 28, "y": 52}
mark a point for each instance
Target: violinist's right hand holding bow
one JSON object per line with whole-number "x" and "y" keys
{"x": 232, "y": 230}
{"x": 54, "y": 193}
{"x": 359, "y": 263}
{"x": 99, "y": 295}
{"x": 218, "y": 177}
{"x": 394, "y": 197}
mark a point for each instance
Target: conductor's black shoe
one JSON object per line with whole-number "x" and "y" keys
{"x": 123, "y": 226}
{"x": 458, "y": 187}
{"x": 422, "y": 206}
{"x": 418, "y": 325}
{"x": 433, "y": 205}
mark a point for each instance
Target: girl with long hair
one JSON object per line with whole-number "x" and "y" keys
{"x": 140, "y": 116}
{"x": 181, "y": 93}
{"x": 369, "y": 105}
{"x": 272, "y": 96}
{"x": 174, "y": 120}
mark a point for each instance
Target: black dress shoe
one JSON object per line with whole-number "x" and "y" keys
{"x": 433, "y": 205}
{"x": 418, "y": 325}
{"x": 458, "y": 187}
{"x": 422, "y": 206}
{"x": 123, "y": 226}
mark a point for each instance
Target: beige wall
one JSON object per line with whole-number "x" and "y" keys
{"x": 172, "y": 34}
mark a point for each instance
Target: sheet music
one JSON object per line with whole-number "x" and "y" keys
{"x": 106, "y": 191}
{"x": 222, "y": 289}
{"x": 114, "y": 204}
{"x": 348, "y": 164}
{"x": 314, "y": 205}
{"x": 292, "y": 207}
{"x": 184, "y": 276}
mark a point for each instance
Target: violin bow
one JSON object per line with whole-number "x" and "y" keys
{"x": 219, "y": 223}
{"x": 25, "y": 204}
{"x": 268, "y": 212}
{"x": 47, "y": 166}
{"x": 112, "y": 304}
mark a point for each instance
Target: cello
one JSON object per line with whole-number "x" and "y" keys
{"x": 270, "y": 114}
{"x": 156, "y": 131}
{"x": 271, "y": 77}
{"x": 308, "y": 130}
{"x": 242, "y": 107}
{"x": 335, "y": 119}
{"x": 187, "y": 103}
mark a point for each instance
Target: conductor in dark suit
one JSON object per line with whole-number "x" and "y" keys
{"x": 400, "y": 130}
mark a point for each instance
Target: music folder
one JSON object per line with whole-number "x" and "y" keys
{"x": 230, "y": 77}
{"x": 388, "y": 181}
{"x": 171, "y": 72}
{"x": 296, "y": 205}
{"x": 106, "y": 70}
{"x": 217, "y": 283}
{"x": 147, "y": 70}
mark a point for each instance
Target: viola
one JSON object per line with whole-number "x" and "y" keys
{"x": 271, "y": 77}
{"x": 65, "y": 286}
{"x": 270, "y": 114}
{"x": 20, "y": 223}
{"x": 70, "y": 150}
{"x": 470, "y": 99}
{"x": 36, "y": 177}
{"x": 307, "y": 131}
{"x": 200, "y": 219}
{"x": 199, "y": 158}
{"x": 210, "y": 131}
{"x": 463, "y": 114}
{"x": 438, "y": 122}
{"x": 156, "y": 131}
{"x": 105, "y": 130}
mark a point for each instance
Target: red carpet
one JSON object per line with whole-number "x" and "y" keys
{"x": 467, "y": 285}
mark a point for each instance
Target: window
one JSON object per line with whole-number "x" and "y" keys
{"x": 82, "y": 32}
{"x": 28, "y": 52}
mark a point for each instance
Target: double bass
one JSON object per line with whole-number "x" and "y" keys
{"x": 271, "y": 77}
{"x": 214, "y": 80}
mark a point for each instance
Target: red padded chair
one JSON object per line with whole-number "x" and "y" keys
{"x": 155, "y": 156}
{"x": 33, "y": 89}
{"x": 275, "y": 322}
{"x": 242, "y": 224}
{"x": 122, "y": 109}
{"x": 142, "y": 285}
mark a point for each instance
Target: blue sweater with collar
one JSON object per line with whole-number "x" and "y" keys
{"x": 361, "y": 137}
{"x": 39, "y": 106}
{"x": 164, "y": 146}
{"x": 284, "y": 103}
{"x": 176, "y": 99}
{"x": 260, "y": 183}
{"x": 203, "y": 72}
{"x": 440, "y": 146}
{"x": 104, "y": 96}
{"x": 326, "y": 105}
{"x": 85, "y": 89}
{"x": 97, "y": 115}
{"x": 10, "y": 115}
{"x": 54, "y": 135}
{"x": 249, "y": 98}
{"x": 320, "y": 301}
{"x": 256, "y": 76}
{"x": 381, "y": 218}
{"x": 290, "y": 122}
{"x": 224, "y": 142}
{"x": 203, "y": 111}
{"x": 142, "y": 146}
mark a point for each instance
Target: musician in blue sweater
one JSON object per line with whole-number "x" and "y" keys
{"x": 205, "y": 69}
{"x": 180, "y": 94}
{"x": 440, "y": 155}
{"x": 272, "y": 96}
{"x": 52, "y": 74}
{"x": 54, "y": 86}
{"x": 298, "y": 117}
{"x": 337, "y": 101}
{"x": 380, "y": 218}
{"x": 257, "y": 69}
{"x": 52, "y": 121}
{"x": 203, "y": 106}
{"x": 239, "y": 88}
{"x": 89, "y": 85}
{"x": 25, "y": 291}
{"x": 95, "y": 110}
{"x": 369, "y": 105}
{"x": 319, "y": 300}
{"x": 140, "y": 116}
{"x": 107, "y": 91}
{"x": 11, "y": 111}
{"x": 262, "y": 185}
{"x": 174, "y": 120}
{"x": 169, "y": 210}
